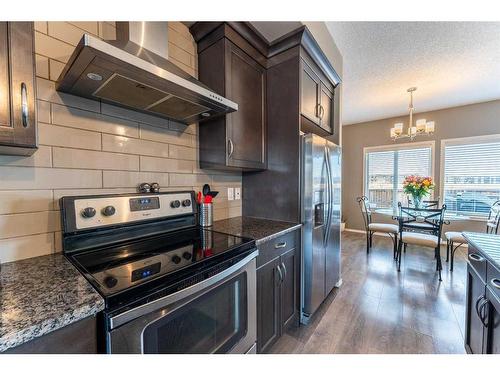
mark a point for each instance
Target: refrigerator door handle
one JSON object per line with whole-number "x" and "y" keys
{"x": 330, "y": 196}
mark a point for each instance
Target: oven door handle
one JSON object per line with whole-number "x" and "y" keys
{"x": 160, "y": 303}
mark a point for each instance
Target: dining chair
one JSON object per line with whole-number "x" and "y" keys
{"x": 457, "y": 238}
{"x": 422, "y": 227}
{"x": 371, "y": 228}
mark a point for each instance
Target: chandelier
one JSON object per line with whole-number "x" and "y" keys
{"x": 421, "y": 126}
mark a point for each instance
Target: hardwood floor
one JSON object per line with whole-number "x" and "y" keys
{"x": 378, "y": 310}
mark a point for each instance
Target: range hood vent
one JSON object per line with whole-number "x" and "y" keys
{"x": 127, "y": 74}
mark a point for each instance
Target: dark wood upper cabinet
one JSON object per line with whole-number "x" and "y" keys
{"x": 316, "y": 98}
{"x": 230, "y": 66}
{"x": 17, "y": 89}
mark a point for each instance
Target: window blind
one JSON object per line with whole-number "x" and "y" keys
{"x": 386, "y": 170}
{"x": 471, "y": 177}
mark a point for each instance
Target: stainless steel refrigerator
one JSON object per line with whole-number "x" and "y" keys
{"x": 320, "y": 216}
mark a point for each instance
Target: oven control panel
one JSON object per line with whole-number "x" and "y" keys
{"x": 95, "y": 212}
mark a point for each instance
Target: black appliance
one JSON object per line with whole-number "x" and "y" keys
{"x": 169, "y": 286}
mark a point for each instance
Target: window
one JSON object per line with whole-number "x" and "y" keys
{"x": 387, "y": 166}
{"x": 470, "y": 174}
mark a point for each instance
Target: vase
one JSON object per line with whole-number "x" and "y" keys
{"x": 417, "y": 201}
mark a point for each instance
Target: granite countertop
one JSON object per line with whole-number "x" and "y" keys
{"x": 488, "y": 244}
{"x": 261, "y": 230}
{"x": 42, "y": 294}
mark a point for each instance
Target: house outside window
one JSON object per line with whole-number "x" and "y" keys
{"x": 385, "y": 168}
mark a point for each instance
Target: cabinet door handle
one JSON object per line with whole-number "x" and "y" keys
{"x": 495, "y": 283}
{"x": 478, "y": 301}
{"x": 321, "y": 112}
{"x": 280, "y": 245}
{"x": 230, "y": 147}
{"x": 24, "y": 105}
{"x": 281, "y": 273}
{"x": 482, "y": 312}
{"x": 476, "y": 257}
{"x": 284, "y": 270}
{"x": 318, "y": 110}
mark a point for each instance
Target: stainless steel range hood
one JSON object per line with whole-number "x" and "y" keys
{"x": 133, "y": 72}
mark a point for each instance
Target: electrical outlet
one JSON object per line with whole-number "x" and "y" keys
{"x": 230, "y": 194}
{"x": 237, "y": 194}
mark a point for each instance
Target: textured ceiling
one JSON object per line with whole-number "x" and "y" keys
{"x": 451, "y": 63}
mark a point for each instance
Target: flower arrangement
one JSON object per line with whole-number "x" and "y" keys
{"x": 418, "y": 187}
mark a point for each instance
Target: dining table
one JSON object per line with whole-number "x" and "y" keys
{"x": 394, "y": 213}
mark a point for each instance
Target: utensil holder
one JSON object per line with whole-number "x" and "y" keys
{"x": 206, "y": 214}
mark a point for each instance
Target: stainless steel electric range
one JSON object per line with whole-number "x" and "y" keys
{"x": 169, "y": 286}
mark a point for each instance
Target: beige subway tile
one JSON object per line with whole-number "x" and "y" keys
{"x": 158, "y": 134}
{"x": 227, "y": 179}
{"x": 15, "y": 178}
{"x": 75, "y": 118}
{"x": 88, "y": 26}
{"x": 18, "y": 248}
{"x": 52, "y": 48}
{"x": 181, "y": 41}
{"x": 180, "y": 28}
{"x": 126, "y": 145}
{"x": 107, "y": 31}
{"x": 153, "y": 164}
{"x": 46, "y": 91}
{"x": 180, "y": 55}
{"x": 41, "y": 158}
{"x": 17, "y": 201}
{"x": 133, "y": 179}
{"x": 58, "y": 194}
{"x": 65, "y": 31}
{"x": 112, "y": 110}
{"x": 25, "y": 224}
{"x": 177, "y": 179}
{"x": 41, "y": 26}
{"x": 42, "y": 66}
{"x": 54, "y": 135}
{"x": 183, "y": 128}
{"x": 43, "y": 111}
{"x": 58, "y": 242}
{"x": 226, "y": 213}
{"x": 181, "y": 152}
{"x": 188, "y": 69}
{"x": 84, "y": 159}
{"x": 55, "y": 68}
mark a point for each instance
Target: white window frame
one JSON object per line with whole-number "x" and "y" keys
{"x": 492, "y": 138}
{"x": 395, "y": 147}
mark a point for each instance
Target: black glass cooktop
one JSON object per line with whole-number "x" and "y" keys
{"x": 134, "y": 265}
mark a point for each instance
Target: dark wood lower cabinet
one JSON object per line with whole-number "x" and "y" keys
{"x": 474, "y": 330}
{"x": 288, "y": 288}
{"x": 268, "y": 291}
{"x": 76, "y": 338}
{"x": 493, "y": 323}
{"x": 277, "y": 289}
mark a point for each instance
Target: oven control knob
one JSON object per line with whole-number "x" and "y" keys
{"x": 186, "y": 203}
{"x": 88, "y": 212}
{"x": 187, "y": 255}
{"x": 110, "y": 281}
{"x": 175, "y": 204}
{"x": 108, "y": 211}
{"x": 176, "y": 259}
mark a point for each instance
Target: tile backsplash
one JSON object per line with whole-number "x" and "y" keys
{"x": 86, "y": 147}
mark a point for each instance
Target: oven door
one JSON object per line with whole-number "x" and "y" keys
{"x": 217, "y": 315}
